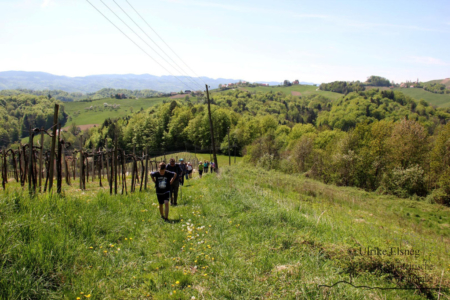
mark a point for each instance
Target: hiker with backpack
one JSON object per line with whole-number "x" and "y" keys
{"x": 163, "y": 180}
{"x": 172, "y": 167}
{"x": 200, "y": 169}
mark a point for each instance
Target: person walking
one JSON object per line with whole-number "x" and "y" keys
{"x": 213, "y": 165}
{"x": 163, "y": 179}
{"x": 189, "y": 168}
{"x": 172, "y": 167}
{"x": 183, "y": 171}
{"x": 200, "y": 169}
{"x": 205, "y": 166}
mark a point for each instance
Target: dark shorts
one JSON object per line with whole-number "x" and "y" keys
{"x": 200, "y": 172}
{"x": 163, "y": 197}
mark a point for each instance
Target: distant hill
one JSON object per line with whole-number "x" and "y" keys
{"x": 90, "y": 84}
{"x": 294, "y": 90}
{"x": 445, "y": 82}
{"x": 438, "y": 100}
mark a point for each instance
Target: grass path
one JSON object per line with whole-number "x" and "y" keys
{"x": 244, "y": 234}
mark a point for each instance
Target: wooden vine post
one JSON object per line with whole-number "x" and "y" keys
{"x": 41, "y": 152}
{"x": 58, "y": 163}
{"x": 115, "y": 163}
{"x": 52, "y": 149}
{"x": 146, "y": 168}
{"x": 30, "y": 164}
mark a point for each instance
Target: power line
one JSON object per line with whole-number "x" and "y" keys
{"x": 164, "y": 41}
{"x": 180, "y": 68}
{"x": 134, "y": 42}
{"x": 140, "y": 38}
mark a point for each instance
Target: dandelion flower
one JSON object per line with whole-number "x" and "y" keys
{"x": 88, "y": 296}
{"x": 174, "y": 292}
{"x": 177, "y": 282}
{"x": 91, "y": 247}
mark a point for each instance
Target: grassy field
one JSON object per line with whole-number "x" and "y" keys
{"x": 442, "y": 81}
{"x": 303, "y": 89}
{"x": 439, "y": 100}
{"x": 127, "y": 106}
{"x": 246, "y": 233}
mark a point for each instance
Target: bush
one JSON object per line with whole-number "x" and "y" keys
{"x": 405, "y": 182}
{"x": 438, "y": 196}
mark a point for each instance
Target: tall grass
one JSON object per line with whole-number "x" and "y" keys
{"x": 246, "y": 233}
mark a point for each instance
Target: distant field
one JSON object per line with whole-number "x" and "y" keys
{"x": 439, "y": 100}
{"x": 303, "y": 89}
{"x": 127, "y": 106}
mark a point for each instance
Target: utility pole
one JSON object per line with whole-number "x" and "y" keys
{"x": 229, "y": 157}
{"x": 212, "y": 131}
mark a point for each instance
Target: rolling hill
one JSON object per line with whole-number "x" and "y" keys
{"x": 295, "y": 90}
{"x": 445, "y": 81}
{"x": 439, "y": 100}
{"x": 97, "y": 116}
{"x": 93, "y": 83}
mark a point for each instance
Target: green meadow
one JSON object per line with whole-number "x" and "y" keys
{"x": 245, "y": 233}
{"x": 127, "y": 107}
{"x": 439, "y": 100}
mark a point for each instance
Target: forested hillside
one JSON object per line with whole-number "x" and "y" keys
{"x": 18, "y": 112}
{"x": 383, "y": 141}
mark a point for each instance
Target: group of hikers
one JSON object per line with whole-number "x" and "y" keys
{"x": 169, "y": 178}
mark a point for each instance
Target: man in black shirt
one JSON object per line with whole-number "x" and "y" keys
{"x": 183, "y": 171}
{"x": 163, "y": 179}
{"x": 172, "y": 167}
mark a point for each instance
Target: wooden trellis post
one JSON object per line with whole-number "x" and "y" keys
{"x": 41, "y": 152}
{"x": 52, "y": 149}
{"x": 30, "y": 164}
{"x": 146, "y": 167}
{"x": 115, "y": 164}
{"x": 58, "y": 163}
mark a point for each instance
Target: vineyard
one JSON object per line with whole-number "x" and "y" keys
{"x": 114, "y": 167}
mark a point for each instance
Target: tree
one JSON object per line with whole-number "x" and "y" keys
{"x": 408, "y": 144}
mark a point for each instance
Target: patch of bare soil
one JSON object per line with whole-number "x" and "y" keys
{"x": 178, "y": 96}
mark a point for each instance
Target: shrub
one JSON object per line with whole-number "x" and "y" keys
{"x": 405, "y": 182}
{"x": 438, "y": 196}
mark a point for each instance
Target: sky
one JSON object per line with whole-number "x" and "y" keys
{"x": 312, "y": 41}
